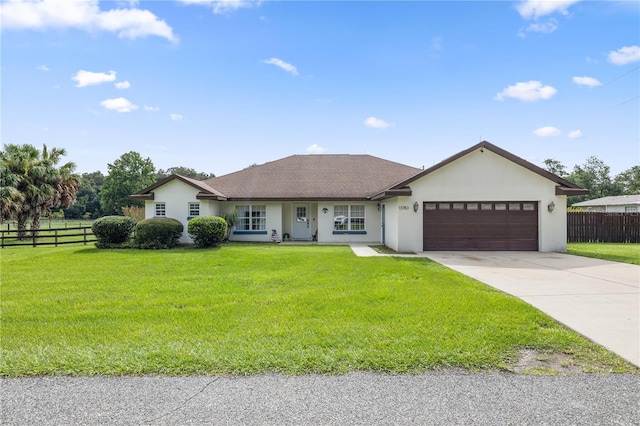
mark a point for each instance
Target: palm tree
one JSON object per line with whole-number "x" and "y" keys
{"x": 10, "y": 198}
{"x": 41, "y": 185}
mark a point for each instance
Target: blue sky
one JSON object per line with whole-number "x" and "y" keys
{"x": 218, "y": 86}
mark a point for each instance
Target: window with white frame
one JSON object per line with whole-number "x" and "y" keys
{"x": 251, "y": 217}
{"x": 349, "y": 217}
{"x": 160, "y": 210}
{"x": 631, "y": 209}
{"x": 194, "y": 209}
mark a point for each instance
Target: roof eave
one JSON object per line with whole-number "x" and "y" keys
{"x": 142, "y": 197}
{"x": 390, "y": 193}
{"x": 563, "y": 190}
{"x": 214, "y": 197}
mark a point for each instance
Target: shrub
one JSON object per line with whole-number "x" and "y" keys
{"x": 231, "y": 219}
{"x": 158, "y": 233}
{"x": 112, "y": 231}
{"x": 207, "y": 231}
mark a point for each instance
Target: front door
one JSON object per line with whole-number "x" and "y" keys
{"x": 301, "y": 228}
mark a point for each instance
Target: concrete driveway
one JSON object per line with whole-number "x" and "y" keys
{"x": 598, "y": 299}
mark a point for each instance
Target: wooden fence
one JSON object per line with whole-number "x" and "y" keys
{"x": 592, "y": 227}
{"x": 48, "y": 237}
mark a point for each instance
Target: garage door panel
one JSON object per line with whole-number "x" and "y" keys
{"x": 496, "y": 225}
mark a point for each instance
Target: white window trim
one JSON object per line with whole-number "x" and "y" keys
{"x": 251, "y": 220}
{"x": 191, "y": 210}
{"x": 350, "y": 218}
{"x": 156, "y": 209}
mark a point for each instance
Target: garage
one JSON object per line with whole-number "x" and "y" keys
{"x": 495, "y": 225}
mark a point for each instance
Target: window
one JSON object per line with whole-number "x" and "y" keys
{"x": 349, "y": 217}
{"x": 160, "y": 210}
{"x": 251, "y": 217}
{"x": 194, "y": 209}
{"x": 631, "y": 209}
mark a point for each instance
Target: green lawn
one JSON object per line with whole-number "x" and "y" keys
{"x": 248, "y": 309}
{"x": 627, "y": 253}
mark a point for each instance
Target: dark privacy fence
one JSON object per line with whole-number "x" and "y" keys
{"x": 591, "y": 227}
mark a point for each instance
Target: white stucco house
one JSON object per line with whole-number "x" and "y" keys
{"x": 613, "y": 204}
{"x": 483, "y": 198}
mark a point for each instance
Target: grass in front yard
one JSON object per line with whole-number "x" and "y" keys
{"x": 248, "y": 309}
{"x": 617, "y": 252}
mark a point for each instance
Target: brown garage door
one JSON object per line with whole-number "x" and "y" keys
{"x": 480, "y": 225}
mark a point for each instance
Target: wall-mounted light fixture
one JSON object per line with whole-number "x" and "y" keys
{"x": 378, "y": 206}
{"x": 416, "y": 206}
{"x": 324, "y": 210}
{"x": 551, "y": 206}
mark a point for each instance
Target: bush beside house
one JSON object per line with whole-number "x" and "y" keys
{"x": 113, "y": 231}
{"x": 158, "y": 233}
{"x": 207, "y": 231}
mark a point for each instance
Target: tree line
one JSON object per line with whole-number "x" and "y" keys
{"x": 595, "y": 176}
{"x": 34, "y": 186}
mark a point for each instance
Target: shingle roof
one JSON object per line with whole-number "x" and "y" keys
{"x": 313, "y": 177}
{"x": 618, "y": 200}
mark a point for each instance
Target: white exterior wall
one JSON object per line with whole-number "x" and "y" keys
{"x": 177, "y": 195}
{"x": 391, "y": 223}
{"x": 371, "y": 223}
{"x": 483, "y": 176}
{"x": 616, "y": 209}
{"x": 274, "y": 221}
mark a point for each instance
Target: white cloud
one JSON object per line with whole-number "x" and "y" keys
{"x": 282, "y": 64}
{"x": 42, "y": 68}
{"x": 84, "y": 15}
{"x": 376, "y": 123}
{"x": 534, "y": 9}
{"x": 176, "y": 117}
{"x": 224, "y": 6}
{"x": 122, "y": 85}
{"x": 119, "y": 105}
{"x": 527, "y": 91}
{"x": 574, "y": 134}
{"x": 315, "y": 149}
{"x": 547, "y": 131}
{"x": 543, "y": 27}
{"x": 88, "y": 78}
{"x": 150, "y": 108}
{"x": 587, "y": 81}
{"x": 625, "y": 55}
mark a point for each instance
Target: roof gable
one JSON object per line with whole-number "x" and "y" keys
{"x": 206, "y": 192}
{"x": 564, "y": 187}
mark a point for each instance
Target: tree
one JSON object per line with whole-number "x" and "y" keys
{"x": 555, "y": 167}
{"x": 127, "y": 175}
{"x": 88, "y": 199}
{"x": 33, "y": 185}
{"x": 594, "y": 176}
{"x": 629, "y": 181}
{"x": 184, "y": 171}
